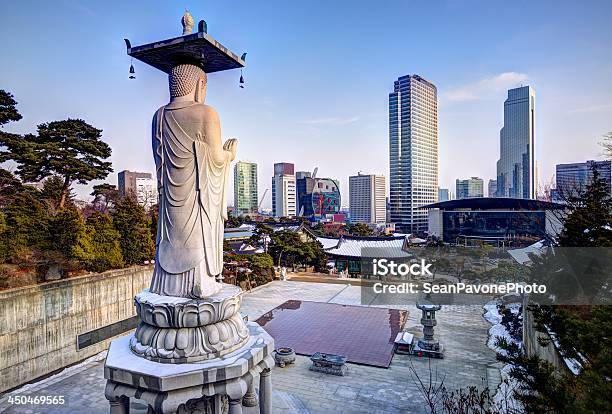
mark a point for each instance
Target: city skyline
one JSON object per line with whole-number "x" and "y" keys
{"x": 307, "y": 107}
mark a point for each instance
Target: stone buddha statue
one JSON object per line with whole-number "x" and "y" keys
{"x": 192, "y": 167}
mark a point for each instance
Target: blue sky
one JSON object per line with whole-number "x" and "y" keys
{"x": 319, "y": 74}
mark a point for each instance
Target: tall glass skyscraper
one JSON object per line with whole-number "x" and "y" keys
{"x": 413, "y": 152}
{"x": 516, "y": 170}
{"x": 245, "y": 188}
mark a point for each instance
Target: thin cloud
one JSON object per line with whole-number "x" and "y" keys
{"x": 80, "y": 6}
{"x": 331, "y": 121}
{"x": 591, "y": 109}
{"x": 485, "y": 87}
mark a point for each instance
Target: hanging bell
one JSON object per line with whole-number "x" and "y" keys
{"x": 132, "y": 72}
{"x": 241, "y": 80}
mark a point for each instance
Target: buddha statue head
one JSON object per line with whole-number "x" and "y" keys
{"x": 188, "y": 81}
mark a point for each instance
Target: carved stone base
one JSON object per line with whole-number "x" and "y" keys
{"x": 183, "y": 330}
{"x": 220, "y": 383}
{"x": 205, "y": 405}
{"x": 250, "y": 398}
{"x": 176, "y": 312}
{"x": 172, "y": 345}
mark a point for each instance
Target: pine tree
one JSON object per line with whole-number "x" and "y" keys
{"x": 582, "y": 333}
{"x": 360, "y": 229}
{"x": 9, "y": 186}
{"x": 26, "y": 226}
{"x": 105, "y": 244}
{"x": 52, "y": 190}
{"x": 8, "y": 108}
{"x": 589, "y": 221}
{"x": 68, "y": 234}
{"x": 71, "y": 149}
{"x": 105, "y": 196}
{"x": 130, "y": 220}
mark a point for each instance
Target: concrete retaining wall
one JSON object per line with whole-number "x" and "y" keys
{"x": 39, "y": 324}
{"x": 532, "y": 346}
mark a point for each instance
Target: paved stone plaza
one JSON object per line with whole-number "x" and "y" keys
{"x": 461, "y": 329}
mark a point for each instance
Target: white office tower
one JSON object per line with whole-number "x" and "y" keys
{"x": 367, "y": 199}
{"x": 283, "y": 190}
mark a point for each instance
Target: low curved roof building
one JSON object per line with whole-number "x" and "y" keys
{"x": 497, "y": 220}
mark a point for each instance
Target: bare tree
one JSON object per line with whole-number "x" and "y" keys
{"x": 431, "y": 389}
{"x": 437, "y": 399}
{"x": 607, "y": 145}
{"x": 544, "y": 192}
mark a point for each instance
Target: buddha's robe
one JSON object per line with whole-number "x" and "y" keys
{"x": 192, "y": 208}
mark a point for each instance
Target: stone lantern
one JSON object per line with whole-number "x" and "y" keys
{"x": 428, "y": 346}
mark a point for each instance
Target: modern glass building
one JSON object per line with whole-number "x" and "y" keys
{"x": 502, "y": 221}
{"x": 574, "y": 178}
{"x": 516, "y": 170}
{"x": 492, "y": 189}
{"x": 245, "y": 188}
{"x": 443, "y": 194}
{"x": 318, "y": 196}
{"x": 413, "y": 152}
{"x": 470, "y": 188}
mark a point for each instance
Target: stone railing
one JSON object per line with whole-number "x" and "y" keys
{"x": 46, "y": 327}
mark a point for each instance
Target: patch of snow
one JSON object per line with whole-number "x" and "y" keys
{"x": 572, "y": 364}
{"x": 504, "y": 396}
{"x": 66, "y": 372}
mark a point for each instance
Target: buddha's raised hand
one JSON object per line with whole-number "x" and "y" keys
{"x": 231, "y": 145}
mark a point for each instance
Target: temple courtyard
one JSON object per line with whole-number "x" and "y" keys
{"x": 366, "y": 389}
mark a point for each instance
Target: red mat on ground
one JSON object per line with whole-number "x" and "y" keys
{"x": 363, "y": 334}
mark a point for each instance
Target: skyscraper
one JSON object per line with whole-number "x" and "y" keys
{"x": 245, "y": 188}
{"x": 283, "y": 190}
{"x": 413, "y": 152}
{"x": 492, "y": 190}
{"x": 516, "y": 171}
{"x": 367, "y": 199}
{"x": 471, "y": 188}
